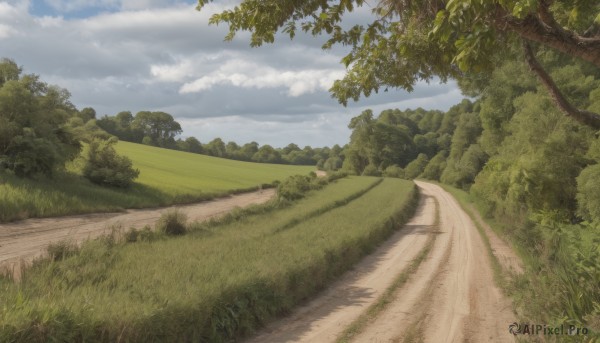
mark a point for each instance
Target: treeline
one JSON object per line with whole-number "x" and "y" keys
{"x": 533, "y": 169}
{"x": 160, "y": 129}
{"x": 41, "y": 131}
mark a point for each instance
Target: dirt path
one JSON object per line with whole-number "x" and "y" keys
{"x": 451, "y": 298}
{"x": 27, "y": 239}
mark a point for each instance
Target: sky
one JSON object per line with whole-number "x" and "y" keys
{"x": 162, "y": 55}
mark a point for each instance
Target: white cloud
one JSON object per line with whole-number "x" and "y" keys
{"x": 244, "y": 74}
{"x": 7, "y": 31}
{"x": 75, "y": 5}
{"x": 166, "y": 57}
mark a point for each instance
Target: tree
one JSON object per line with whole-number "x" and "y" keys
{"x": 216, "y": 148}
{"x": 87, "y": 114}
{"x": 34, "y": 133}
{"x": 416, "y": 167}
{"x": 248, "y": 150}
{"x": 267, "y": 154}
{"x": 232, "y": 150}
{"x": 412, "y": 40}
{"x": 161, "y": 127}
{"x": 289, "y": 148}
{"x": 193, "y": 145}
{"x": 9, "y": 70}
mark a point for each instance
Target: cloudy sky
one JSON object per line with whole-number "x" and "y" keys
{"x": 161, "y": 55}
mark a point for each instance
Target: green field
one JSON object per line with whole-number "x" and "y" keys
{"x": 166, "y": 177}
{"x": 216, "y": 283}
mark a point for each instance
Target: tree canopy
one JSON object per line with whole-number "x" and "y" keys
{"x": 407, "y": 40}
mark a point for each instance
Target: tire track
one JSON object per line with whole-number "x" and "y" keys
{"x": 28, "y": 239}
{"x": 452, "y": 297}
{"x": 327, "y": 315}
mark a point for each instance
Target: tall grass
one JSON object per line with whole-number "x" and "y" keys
{"x": 214, "y": 287}
{"x": 166, "y": 177}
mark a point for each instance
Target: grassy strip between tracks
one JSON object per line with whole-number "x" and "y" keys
{"x": 367, "y": 317}
{"x": 202, "y": 288}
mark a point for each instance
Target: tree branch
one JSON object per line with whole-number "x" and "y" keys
{"x": 542, "y": 28}
{"x": 584, "y": 117}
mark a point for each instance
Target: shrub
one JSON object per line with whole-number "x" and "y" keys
{"x": 172, "y": 222}
{"x": 131, "y": 235}
{"x": 105, "y": 167}
{"x": 61, "y": 250}
{"x": 336, "y": 175}
{"x": 416, "y": 167}
{"x": 435, "y": 167}
{"x": 588, "y": 193}
{"x": 294, "y": 187}
{"x": 371, "y": 170}
{"x": 394, "y": 171}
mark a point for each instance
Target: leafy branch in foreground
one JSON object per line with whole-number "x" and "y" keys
{"x": 407, "y": 40}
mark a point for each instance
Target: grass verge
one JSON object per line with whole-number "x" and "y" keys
{"x": 213, "y": 288}
{"x": 166, "y": 177}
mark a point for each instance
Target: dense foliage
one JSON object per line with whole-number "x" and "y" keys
{"x": 40, "y": 131}
{"x": 160, "y": 129}
{"x": 35, "y": 137}
{"x": 531, "y": 168}
{"x": 105, "y": 167}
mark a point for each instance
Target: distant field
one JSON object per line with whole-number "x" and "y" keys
{"x": 177, "y": 172}
{"x": 166, "y": 177}
{"x": 211, "y": 285}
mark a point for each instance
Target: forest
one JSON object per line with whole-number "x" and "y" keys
{"x": 532, "y": 170}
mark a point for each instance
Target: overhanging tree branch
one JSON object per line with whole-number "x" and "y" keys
{"x": 585, "y": 117}
{"x": 542, "y": 28}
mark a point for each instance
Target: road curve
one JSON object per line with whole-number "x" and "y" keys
{"x": 451, "y": 297}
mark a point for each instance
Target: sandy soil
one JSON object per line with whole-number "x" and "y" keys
{"x": 321, "y": 173}
{"x": 451, "y": 298}
{"x": 508, "y": 259}
{"x": 27, "y": 239}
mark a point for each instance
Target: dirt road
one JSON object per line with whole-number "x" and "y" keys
{"x": 29, "y": 238}
{"x": 450, "y": 298}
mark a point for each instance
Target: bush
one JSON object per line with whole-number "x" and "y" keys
{"x": 173, "y": 223}
{"x": 588, "y": 193}
{"x": 294, "y": 187}
{"x": 371, "y": 170}
{"x": 61, "y": 250}
{"x": 105, "y": 167}
{"x": 416, "y": 167}
{"x": 394, "y": 171}
{"x": 435, "y": 167}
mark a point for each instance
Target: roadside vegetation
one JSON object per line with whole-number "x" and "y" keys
{"x": 532, "y": 171}
{"x": 56, "y": 160}
{"x": 179, "y": 177}
{"x": 217, "y": 282}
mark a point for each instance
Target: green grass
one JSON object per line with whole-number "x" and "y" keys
{"x": 178, "y": 173}
{"x": 166, "y": 177}
{"x": 204, "y": 287}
